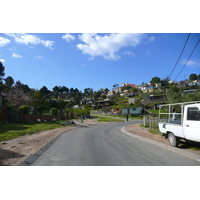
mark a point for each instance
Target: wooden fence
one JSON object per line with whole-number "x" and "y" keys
{"x": 13, "y": 116}
{"x": 151, "y": 122}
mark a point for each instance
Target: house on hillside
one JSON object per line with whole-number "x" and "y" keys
{"x": 116, "y": 110}
{"x": 154, "y": 99}
{"x": 146, "y": 88}
{"x": 149, "y": 89}
{"x": 86, "y": 101}
{"x": 132, "y": 110}
{"x": 110, "y": 93}
{"x": 103, "y": 103}
{"x": 196, "y": 82}
{"x": 132, "y": 100}
{"x": 129, "y": 84}
{"x": 117, "y": 90}
{"x": 131, "y": 94}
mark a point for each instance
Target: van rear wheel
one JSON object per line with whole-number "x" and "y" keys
{"x": 173, "y": 140}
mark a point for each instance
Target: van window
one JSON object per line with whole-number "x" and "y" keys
{"x": 193, "y": 113}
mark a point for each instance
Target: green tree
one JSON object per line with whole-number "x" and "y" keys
{"x": 173, "y": 94}
{"x": 76, "y": 91}
{"x": 195, "y": 96}
{"x": 44, "y": 91}
{"x": 64, "y": 89}
{"x": 193, "y": 77}
{"x": 165, "y": 82}
{"x": 88, "y": 92}
{"x": 39, "y": 102}
{"x": 2, "y": 74}
{"x": 155, "y": 80}
{"x": 25, "y": 88}
{"x": 9, "y": 81}
{"x": 71, "y": 90}
{"x": 56, "y": 91}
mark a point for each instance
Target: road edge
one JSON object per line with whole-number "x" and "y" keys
{"x": 164, "y": 146}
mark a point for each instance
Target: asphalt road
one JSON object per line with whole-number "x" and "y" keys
{"x": 107, "y": 145}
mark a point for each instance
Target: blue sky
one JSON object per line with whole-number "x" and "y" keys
{"x": 83, "y": 60}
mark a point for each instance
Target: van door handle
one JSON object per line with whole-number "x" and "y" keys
{"x": 187, "y": 125}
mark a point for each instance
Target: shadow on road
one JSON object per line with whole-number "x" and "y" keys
{"x": 189, "y": 145}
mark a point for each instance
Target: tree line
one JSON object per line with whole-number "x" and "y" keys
{"x": 21, "y": 97}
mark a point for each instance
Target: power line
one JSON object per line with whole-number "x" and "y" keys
{"x": 180, "y": 55}
{"x": 188, "y": 59}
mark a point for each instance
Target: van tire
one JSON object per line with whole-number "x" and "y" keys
{"x": 173, "y": 140}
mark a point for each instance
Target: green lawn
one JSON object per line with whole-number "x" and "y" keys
{"x": 11, "y": 131}
{"x": 121, "y": 116}
{"x": 106, "y": 119}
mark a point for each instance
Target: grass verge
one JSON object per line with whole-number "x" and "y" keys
{"x": 15, "y": 130}
{"x": 106, "y": 119}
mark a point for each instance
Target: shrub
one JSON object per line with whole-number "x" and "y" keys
{"x": 54, "y": 111}
{"x": 24, "y": 109}
{"x": 41, "y": 109}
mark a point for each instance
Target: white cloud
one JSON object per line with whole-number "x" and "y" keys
{"x": 68, "y": 37}
{"x": 108, "y": 45}
{"x": 4, "y": 41}
{"x": 2, "y": 60}
{"x": 128, "y": 53}
{"x": 23, "y": 38}
{"x": 14, "y": 55}
{"x": 39, "y": 57}
{"x": 191, "y": 63}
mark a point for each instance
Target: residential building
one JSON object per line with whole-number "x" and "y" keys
{"x": 158, "y": 85}
{"x": 154, "y": 99}
{"x": 131, "y": 100}
{"x": 129, "y": 84}
{"x": 132, "y": 110}
{"x": 131, "y": 94}
{"x": 110, "y": 93}
{"x": 103, "y": 103}
{"x": 87, "y": 100}
{"x": 196, "y": 82}
{"x": 117, "y": 90}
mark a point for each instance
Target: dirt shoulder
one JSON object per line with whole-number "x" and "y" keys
{"x": 14, "y": 151}
{"x": 143, "y": 132}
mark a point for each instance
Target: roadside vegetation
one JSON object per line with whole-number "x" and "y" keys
{"x": 18, "y": 97}
{"x": 10, "y": 131}
{"x": 106, "y": 119}
{"x": 122, "y": 116}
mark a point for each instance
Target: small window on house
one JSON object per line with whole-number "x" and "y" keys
{"x": 193, "y": 113}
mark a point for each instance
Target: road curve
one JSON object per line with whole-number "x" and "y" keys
{"x": 107, "y": 145}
